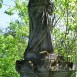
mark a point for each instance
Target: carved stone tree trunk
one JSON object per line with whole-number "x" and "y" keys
{"x": 39, "y": 38}
{"x": 36, "y": 61}
{"x": 40, "y": 33}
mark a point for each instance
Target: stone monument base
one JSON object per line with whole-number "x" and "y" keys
{"x": 47, "y": 67}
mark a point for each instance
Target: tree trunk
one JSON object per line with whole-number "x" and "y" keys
{"x": 35, "y": 63}
{"x": 40, "y": 12}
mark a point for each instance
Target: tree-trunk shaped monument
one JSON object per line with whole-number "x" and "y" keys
{"x": 39, "y": 57}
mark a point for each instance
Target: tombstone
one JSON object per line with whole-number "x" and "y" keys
{"x": 39, "y": 57}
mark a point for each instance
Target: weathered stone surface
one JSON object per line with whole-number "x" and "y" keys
{"x": 40, "y": 23}
{"x": 45, "y": 68}
{"x": 25, "y": 69}
{"x": 38, "y": 60}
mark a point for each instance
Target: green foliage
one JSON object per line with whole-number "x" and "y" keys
{"x": 0, "y": 5}
{"x": 21, "y": 7}
{"x": 9, "y": 12}
{"x": 14, "y": 41}
{"x": 8, "y": 55}
{"x": 1, "y": 1}
{"x": 12, "y": 47}
{"x": 65, "y": 31}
